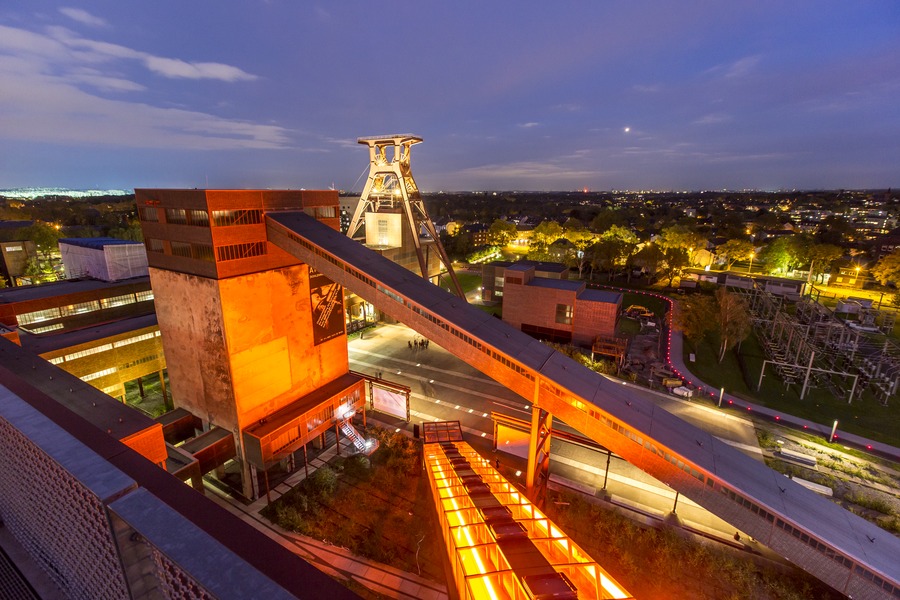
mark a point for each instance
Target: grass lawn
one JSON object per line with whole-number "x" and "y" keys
{"x": 660, "y": 563}
{"x": 467, "y": 281}
{"x": 739, "y": 374}
{"x": 380, "y": 508}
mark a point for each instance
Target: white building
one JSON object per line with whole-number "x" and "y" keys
{"x": 107, "y": 259}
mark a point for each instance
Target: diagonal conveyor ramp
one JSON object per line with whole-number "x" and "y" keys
{"x": 843, "y": 550}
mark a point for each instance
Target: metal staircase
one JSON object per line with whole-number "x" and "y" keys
{"x": 363, "y": 445}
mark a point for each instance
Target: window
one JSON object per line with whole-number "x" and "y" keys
{"x": 116, "y": 301}
{"x": 222, "y": 218}
{"x": 149, "y": 213}
{"x": 176, "y": 216}
{"x": 564, "y": 314}
{"x": 180, "y": 249}
{"x": 199, "y": 218}
{"x": 236, "y": 251}
{"x": 203, "y": 252}
{"x": 498, "y": 282}
{"x": 154, "y": 245}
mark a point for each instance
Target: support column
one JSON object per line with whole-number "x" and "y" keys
{"x": 165, "y": 393}
{"x": 538, "y": 473}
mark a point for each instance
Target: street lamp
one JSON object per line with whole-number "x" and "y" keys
{"x": 750, "y": 268}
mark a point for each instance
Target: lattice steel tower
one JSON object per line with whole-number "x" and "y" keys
{"x": 391, "y": 188}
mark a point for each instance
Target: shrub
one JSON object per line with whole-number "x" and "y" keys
{"x": 322, "y": 483}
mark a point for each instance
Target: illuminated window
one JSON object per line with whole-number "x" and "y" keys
{"x": 199, "y": 218}
{"x": 176, "y": 216}
{"x": 564, "y": 314}
{"x": 222, "y": 218}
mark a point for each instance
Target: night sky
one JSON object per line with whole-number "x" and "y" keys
{"x": 507, "y": 95}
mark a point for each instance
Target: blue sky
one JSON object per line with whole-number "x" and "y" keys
{"x": 507, "y": 95}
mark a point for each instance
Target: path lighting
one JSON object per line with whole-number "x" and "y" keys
{"x": 750, "y": 268}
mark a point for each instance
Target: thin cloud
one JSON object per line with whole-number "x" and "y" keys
{"x": 174, "y": 68}
{"x": 51, "y": 93}
{"x": 83, "y": 17}
{"x": 526, "y": 170}
{"x": 179, "y": 69}
{"x": 713, "y": 119}
{"x": 742, "y": 67}
{"x": 737, "y": 69}
{"x": 528, "y": 125}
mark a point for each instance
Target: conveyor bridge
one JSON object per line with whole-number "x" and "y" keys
{"x": 843, "y": 550}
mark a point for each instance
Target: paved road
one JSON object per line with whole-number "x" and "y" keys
{"x": 445, "y": 388}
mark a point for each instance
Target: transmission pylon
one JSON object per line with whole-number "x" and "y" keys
{"x": 391, "y": 188}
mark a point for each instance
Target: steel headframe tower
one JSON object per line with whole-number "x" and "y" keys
{"x": 390, "y": 185}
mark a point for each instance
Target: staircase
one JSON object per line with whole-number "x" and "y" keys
{"x": 362, "y": 445}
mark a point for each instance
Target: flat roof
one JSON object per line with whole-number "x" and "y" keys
{"x": 98, "y": 243}
{"x": 65, "y": 287}
{"x": 101, "y": 410}
{"x": 43, "y": 343}
{"x": 556, "y": 284}
{"x": 600, "y": 296}
{"x": 302, "y": 405}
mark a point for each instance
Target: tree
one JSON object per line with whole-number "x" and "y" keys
{"x": 676, "y": 260}
{"x": 695, "y": 316}
{"x": 607, "y": 218}
{"x": 777, "y": 256}
{"x": 130, "y": 232}
{"x": 680, "y": 236}
{"x": 834, "y": 230}
{"x": 605, "y": 255}
{"x": 821, "y": 256}
{"x": 620, "y": 233}
{"x": 651, "y": 258}
{"x": 501, "y": 233}
{"x": 735, "y": 250}
{"x": 888, "y": 268}
{"x": 546, "y": 233}
{"x": 733, "y": 320}
{"x": 45, "y": 238}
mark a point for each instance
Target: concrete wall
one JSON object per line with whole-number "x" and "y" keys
{"x": 269, "y": 339}
{"x": 192, "y": 326}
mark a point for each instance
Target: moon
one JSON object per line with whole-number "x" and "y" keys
{"x": 627, "y": 129}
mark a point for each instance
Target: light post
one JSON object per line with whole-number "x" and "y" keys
{"x": 750, "y": 268}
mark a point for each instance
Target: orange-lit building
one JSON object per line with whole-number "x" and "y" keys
{"x": 499, "y": 545}
{"x": 557, "y": 310}
{"x": 251, "y": 334}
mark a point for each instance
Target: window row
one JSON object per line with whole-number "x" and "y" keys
{"x": 181, "y": 216}
{"x": 88, "y": 352}
{"x": 815, "y": 544}
{"x": 183, "y": 249}
{"x": 322, "y": 212}
{"x": 223, "y": 218}
{"x": 58, "y": 312}
{"x": 237, "y": 251}
{"x": 887, "y": 586}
